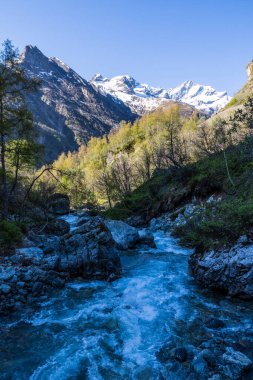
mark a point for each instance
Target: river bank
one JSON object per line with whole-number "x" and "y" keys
{"x": 153, "y": 322}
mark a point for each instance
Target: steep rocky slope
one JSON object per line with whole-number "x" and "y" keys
{"x": 241, "y": 96}
{"x": 67, "y": 109}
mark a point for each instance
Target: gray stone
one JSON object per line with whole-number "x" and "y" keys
{"x": 87, "y": 252}
{"x": 236, "y": 363}
{"x": 229, "y": 270}
{"x": 5, "y": 289}
{"x": 166, "y": 351}
{"x": 20, "y": 284}
{"x": 6, "y": 273}
{"x": 13, "y": 280}
{"x": 37, "y": 287}
{"x": 124, "y": 235}
{"x": 128, "y": 237}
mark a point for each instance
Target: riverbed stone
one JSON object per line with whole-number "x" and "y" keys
{"x": 199, "y": 365}
{"x": 6, "y": 273}
{"x": 236, "y": 363}
{"x": 57, "y": 227}
{"x": 146, "y": 238}
{"x": 180, "y": 354}
{"x": 124, "y": 235}
{"x": 5, "y": 289}
{"x": 128, "y": 237}
{"x": 21, "y": 284}
{"x": 215, "y": 323}
{"x": 37, "y": 287}
{"x": 166, "y": 351}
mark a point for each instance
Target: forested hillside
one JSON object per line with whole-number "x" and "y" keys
{"x": 111, "y": 167}
{"x": 164, "y": 160}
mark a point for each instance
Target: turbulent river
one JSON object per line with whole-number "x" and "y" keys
{"x": 98, "y": 330}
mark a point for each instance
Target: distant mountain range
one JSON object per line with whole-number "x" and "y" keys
{"x": 142, "y": 98}
{"x": 68, "y": 110}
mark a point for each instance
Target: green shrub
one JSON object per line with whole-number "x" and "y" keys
{"x": 232, "y": 102}
{"x": 10, "y": 234}
{"x": 218, "y": 226}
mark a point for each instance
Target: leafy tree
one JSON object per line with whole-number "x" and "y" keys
{"x": 176, "y": 152}
{"x": 16, "y": 144}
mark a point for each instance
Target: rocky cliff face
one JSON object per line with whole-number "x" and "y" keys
{"x": 249, "y": 69}
{"x": 67, "y": 109}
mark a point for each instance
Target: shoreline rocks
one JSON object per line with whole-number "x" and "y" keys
{"x": 230, "y": 271}
{"x": 87, "y": 252}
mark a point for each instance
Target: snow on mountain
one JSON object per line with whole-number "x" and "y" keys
{"x": 67, "y": 109}
{"x": 142, "y": 98}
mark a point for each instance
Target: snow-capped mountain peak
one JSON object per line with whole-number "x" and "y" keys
{"x": 98, "y": 78}
{"x": 142, "y": 98}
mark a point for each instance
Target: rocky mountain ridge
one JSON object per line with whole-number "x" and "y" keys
{"x": 67, "y": 109}
{"x": 142, "y": 98}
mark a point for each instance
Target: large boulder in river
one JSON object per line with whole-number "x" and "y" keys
{"x": 58, "y": 204}
{"x": 228, "y": 270}
{"x": 128, "y": 237}
{"x": 124, "y": 235}
{"x": 89, "y": 251}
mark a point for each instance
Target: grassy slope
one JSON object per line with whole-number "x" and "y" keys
{"x": 213, "y": 228}
{"x": 141, "y": 199}
{"x": 222, "y": 224}
{"x": 241, "y": 96}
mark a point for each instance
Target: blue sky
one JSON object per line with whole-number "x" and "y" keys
{"x": 160, "y": 42}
